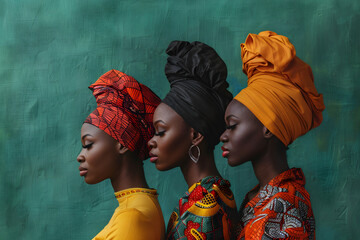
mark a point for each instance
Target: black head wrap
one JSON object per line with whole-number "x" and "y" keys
{"x": 197, "y": 77}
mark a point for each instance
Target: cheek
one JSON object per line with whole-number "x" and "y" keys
{"x": 172, "y": 151}
{"x": 243, "y": 137}
{"x": 101, "y": 162}
{"x": 245, "y": 144}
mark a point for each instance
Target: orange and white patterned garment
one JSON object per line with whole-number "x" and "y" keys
{"x": 281, "y": 210}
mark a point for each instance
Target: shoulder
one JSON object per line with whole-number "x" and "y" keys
{"x": 129, "y": 218}
{"x": 289, "y": 199}
{"x": 286, "y": 211}
{"x": 290, "y": 191}
{"x": 204, "y": 211}
{"x": 223, "y": 194}
{"x": 130, "y": 224}
{"x": 208, "y": 197}
{"x": 145, "y": 204}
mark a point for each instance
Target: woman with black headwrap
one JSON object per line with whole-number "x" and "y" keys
{"x": 188, "y": 124}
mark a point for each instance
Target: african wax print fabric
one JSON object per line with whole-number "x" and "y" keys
{"x": 281, "y": 210}
{"x": 125, "y": 110}
{"x": 207, "y": 211}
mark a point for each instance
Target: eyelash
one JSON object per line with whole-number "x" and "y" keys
{"x": 231, "y": 127}
{"x": 159, "y": 133}
{"x": 88, "y": 145}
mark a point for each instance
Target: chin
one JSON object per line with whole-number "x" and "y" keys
{"x": 234, "y": 162}
{"x": 91, "y": 181}
{"x": 162, "y": 168}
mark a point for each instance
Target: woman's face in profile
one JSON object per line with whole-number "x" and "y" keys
{"x": 243, "y": 138}
{"x": 172, "y": 139}
{"x": 98, "y": 158}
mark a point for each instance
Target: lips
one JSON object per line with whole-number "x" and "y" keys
{"x": 153, "y": 157}
{"x": 225, "y": 151}
{"x": 83, "y": 171}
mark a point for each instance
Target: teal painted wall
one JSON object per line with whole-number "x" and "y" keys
{"x": 50, "y": 51}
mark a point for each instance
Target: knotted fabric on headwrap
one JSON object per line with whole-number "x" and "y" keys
{"x": 125, "y": 110}
{"x": 281, "y": 91}
{"x": 198, "y": 93}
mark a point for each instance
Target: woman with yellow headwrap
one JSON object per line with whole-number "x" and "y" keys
{"x": 279, "y": 104}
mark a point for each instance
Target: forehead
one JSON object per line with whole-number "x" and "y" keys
{"x": 89, "y": 129}
{"x": 166, "y": 114}
{"x": 239, "y": 110}
{"x": 95, "y": 132}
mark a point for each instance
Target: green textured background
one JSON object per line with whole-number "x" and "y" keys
{"x": 50, "y": 51}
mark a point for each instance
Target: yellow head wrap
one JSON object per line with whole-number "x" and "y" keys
{"x": 281, "y": 91}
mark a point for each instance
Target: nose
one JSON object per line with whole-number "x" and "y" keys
{"x": 152, "y": 143}
{"x": 80, "y": 158}
{"x": 224, "y": 137}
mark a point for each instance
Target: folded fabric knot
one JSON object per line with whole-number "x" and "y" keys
{"x": 197, "y": 77}
{"x": 125, "y": 110}
{"x": 281, "y": 91}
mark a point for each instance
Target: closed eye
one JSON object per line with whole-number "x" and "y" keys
{"x": 231, "y": 127}
{"x": 159, "y": 133}
{"x": 88, "y": 145}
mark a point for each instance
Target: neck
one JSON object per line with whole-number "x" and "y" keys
{"x": 130, "y": 174}
{"x": 270, "y": 165}
{"x": 194, "y": 172}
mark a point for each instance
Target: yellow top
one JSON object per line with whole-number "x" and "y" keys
{"x": 138, "y": 216}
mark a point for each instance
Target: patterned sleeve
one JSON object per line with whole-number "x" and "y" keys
{"x": 203, "y": 219}
{"x": 286, "y": 216}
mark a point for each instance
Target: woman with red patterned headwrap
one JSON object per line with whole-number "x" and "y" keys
{"x": 279, "y": 104}
{"x": 114, "y": 138}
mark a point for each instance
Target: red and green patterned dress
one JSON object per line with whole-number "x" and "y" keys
{"x": 281, "y": 210}
{"x": 207, "y": 211}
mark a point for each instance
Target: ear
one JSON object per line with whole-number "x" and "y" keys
{"x": 197, "y": 137}
{"x": 266, "y": 132}
{"x": 121, "y": 148}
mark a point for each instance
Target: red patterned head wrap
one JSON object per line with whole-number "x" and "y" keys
{"x": 125, "y": 110}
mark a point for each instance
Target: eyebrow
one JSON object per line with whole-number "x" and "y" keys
{"x": 85, "y": 136}
{"x": 231, "y": 115}
{"x": 156, "y": 122}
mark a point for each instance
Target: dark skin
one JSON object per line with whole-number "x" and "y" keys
{"x": 247, "y": 139}
{"x": 171, "y": 142}
{"x": 103, "y": 157}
